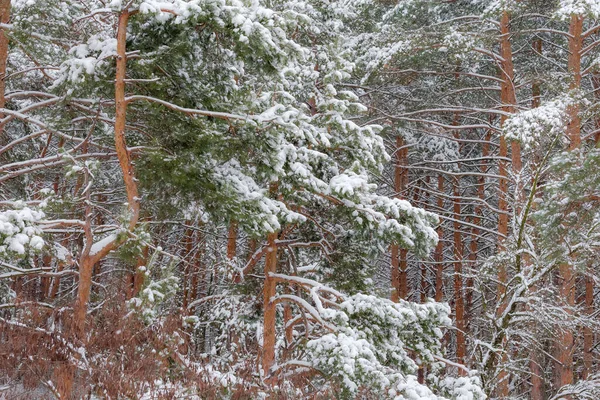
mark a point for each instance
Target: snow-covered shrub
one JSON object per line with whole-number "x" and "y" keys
{"x": 20, "y": 232}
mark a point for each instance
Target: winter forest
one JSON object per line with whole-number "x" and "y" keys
{"x": 300, "y": 199}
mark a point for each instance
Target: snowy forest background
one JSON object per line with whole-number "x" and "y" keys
{"x": 299, "y": 199}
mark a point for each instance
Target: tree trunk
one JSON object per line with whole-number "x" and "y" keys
{"x": 399, "y": 262}
{"x": 537, "y": 383}
{"x": 508, "y": 100}
{"x": 270, "y": 309}
{"x": 596, "y": 86}
{"x": 88, "y": 259}
{"x": 186, "y": 257}
{"x": 439, "y": 249}
{"x": 588, "y": 334}
{"x": 197, "y": 264}
{"x": 575, "y": 44}
{"x": 232, "y": 241}
{"x": 138, "y": 277}
{"x": 459, "y": 306}
{"x": 474, "y": 245}
{"x": 4, "y": 18}
{"x": 565, "y": 341}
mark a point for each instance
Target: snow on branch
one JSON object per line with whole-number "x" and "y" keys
{"x": 549, "y": 119}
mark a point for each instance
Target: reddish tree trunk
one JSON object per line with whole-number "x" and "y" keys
{"x": 588, "y": 334}
{"x": 596, "y": 86}
{"x": 188, "y": 241}
{"x": 537, "y": 383}
{"x": 138, "y": 277}
{"x": 197, "y": 263}
{"x": 474, "y": 245}
{"x": 232, "y": 241}
{"x": 88, "y": 259}
{"x": 399, "y": 263}
{"x": 270, "y": 309}
{"x": 508, "y": 99}
{"x": 565, "y": 341}
{"x": 439, "y": 249}
{"x": 459, "y": 307}
{"x": 4, "y": 18}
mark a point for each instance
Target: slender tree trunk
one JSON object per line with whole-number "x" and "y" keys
{"x": 138, "y": 277}
{"x": 439, "y": 249}
{"x": 232, "y": 241}
{"x": 4, "y": 18}
{"x": 45, "y": 280}
{"x": 423, "y": 286}
{"x": 289, "y": 328}
{"x": 395, "y": 254}
{"x": 588, "y": 334}
{"x": 565, "y": 340}
{"x": 197, "y": 263}
{"x": 187, "y": 268}
{"x": 399, "y": 261}
{"x": 56, "y": 280}
{"x": 537, "y": 383}
{"x": 459, "y": 306}
{"x": 474, "y": 245}
{"x": 270, "y": 309}
{"x": 89, "y": 258}
{"x": 508, "y": 100}
{"x": 596, "y": 86}
{"x": 575, "y": 44}
{"x": 187, "y": 259}
{"x": 403, "y": 265}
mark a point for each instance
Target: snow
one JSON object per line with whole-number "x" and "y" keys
{"x": 19, "y": 230}
{"x": 87, "y": 59}
{"x": 98, "y": 246}
{"x": 567, "y": 8}
{"x": 547, "y": 120}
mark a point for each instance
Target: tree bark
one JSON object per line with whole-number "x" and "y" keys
{"x": 588, "y": 334}
{"x": 232, "y": 241}
{"x": 475, "y": 231}
{"x": 89, "y": 258}
{"x": 4, "y": 18}
{"x": 508, "y": 100}
{"x": 186, "y": 258}
{"x": 574, "y": 65}
{"x": 197, "y": 264}
{"x": 536, "y": 373}
{"x": 565, "y": 341}
{"x": 138, "y": 277}
{"x": 439, "y": 249}
{"x": 270, "y": 309}
{"x": 459, "y": 305}
{"x": 399, "y": 263}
